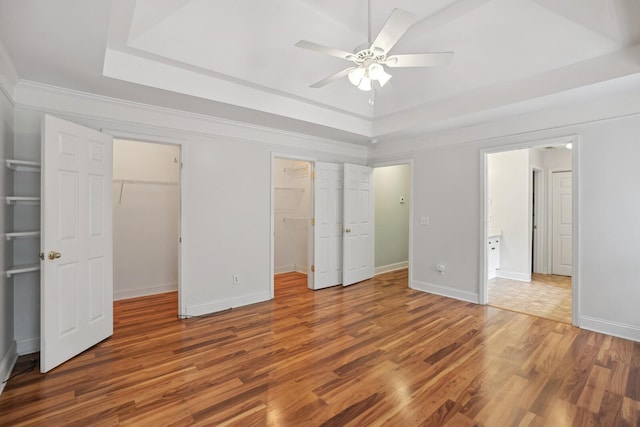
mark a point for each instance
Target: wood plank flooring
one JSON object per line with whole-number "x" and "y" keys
{"x": 547, "y": 296}
{"x": 375, "y": 353}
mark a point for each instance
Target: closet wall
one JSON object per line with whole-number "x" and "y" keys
{"x": 292, "y": 206}
{"x": 145, "y": 218}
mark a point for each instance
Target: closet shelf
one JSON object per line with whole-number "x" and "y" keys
{"x": 20, "y": 200}
{"x": 23, "y": 165}
{"x": 22, "y": 235}
{"x": 290, "y": 189}
{"x": 22, "y": 269}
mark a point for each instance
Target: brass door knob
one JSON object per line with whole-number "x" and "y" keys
{"x": 54, "y": 255}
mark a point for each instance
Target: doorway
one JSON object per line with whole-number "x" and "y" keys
{"x": 146, "y": 219}
{"x": 519, "y": 222}
{"x": 292, "y": 198}
{"x": 392, "y": 186}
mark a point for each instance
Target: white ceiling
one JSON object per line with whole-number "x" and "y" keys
{"x": 237, "y": 59}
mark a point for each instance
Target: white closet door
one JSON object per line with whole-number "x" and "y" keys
{"x": 359, "y": 225}
{"x": 77, "y": 269}
{"x": 327, "y": 232}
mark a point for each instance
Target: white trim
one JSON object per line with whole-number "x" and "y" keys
{"x": 621, "y": 330}
{"x": 8, "y": 75}
{"x": 152, "y": 290}
{"x": 284, "y": 269}
{"x": 575, "y": 278}
{"x": 221, "y": 305}
{"x": 7, "y": 363}
{"x": 513, "y": 275}
{"x": 391, "y": 267}
{"x": 301, "y": 268}
{"x": 445, "y": 291}
{"x": 66, "y": 102}
{"x": 28, "y": 346}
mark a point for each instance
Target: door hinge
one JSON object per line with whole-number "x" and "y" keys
{"x": 313, "y": 221}
{"x": 180, "y": 239}
{"x": 42, "y": 256}
{"x": 313, "y": 268}
{"x": 313, "y": 175}
{"x": 181, "y": 165}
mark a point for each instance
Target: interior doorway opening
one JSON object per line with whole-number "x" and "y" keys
{"x": 521, "y": 244}
{"x": 146, "y": 219}
{"x": 392, "y": 186}
{"x": 292, "y": 204}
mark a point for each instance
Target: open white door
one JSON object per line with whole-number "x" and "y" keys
{"x": 76, "y": 286}
{"x": 562, "y": 224}
{"x": 327, "y": 232}
{"x": 359, "y": 224}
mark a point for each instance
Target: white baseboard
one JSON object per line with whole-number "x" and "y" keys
{"x": 512, "y": 275}
{"x": 446, "y": 291}
{"x": 7, "y": 363}
{"x": 284, "y": 269}
{"x": 391, "y": 267}
{"x": 134, "y": 293}
{"x": 28, "y": 346}
{"x": 301, "y": 269}
{"x": 615, "y": 329}
{"x": 215, "y": 306}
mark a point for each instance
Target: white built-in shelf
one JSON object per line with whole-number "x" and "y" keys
{"x": 23, "y": 165}
{"x": 290, "y": 188}
{"x": 22, "y": 235}
{"x": 21, "y": 200}
{"x": 22, "y": 269}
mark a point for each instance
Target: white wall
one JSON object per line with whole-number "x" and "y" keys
{"x": 508, "y": 175}
{"x": 7, "y": 344}
{"x": 226, "y": 212}
{"x": 448, "y": 184}
{"x": 292, "y": 209}
{"x": 392, "y": 217}
{"x": 145, "y": 218}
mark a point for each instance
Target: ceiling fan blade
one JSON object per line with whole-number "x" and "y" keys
{"x": 323, "y": 49}
{"x": 332, "y": 78}
{"x": 397, "y": 24}
{"x": 420, "y": 59}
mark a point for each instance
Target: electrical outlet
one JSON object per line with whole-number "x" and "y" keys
{"x": 236, "y": 279}
{"x": 441, "y": 268}
{"x": 424, "y": 220}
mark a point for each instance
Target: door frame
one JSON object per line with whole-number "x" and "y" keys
{"x": 285, "y": 156}
{"x": 182, "y": 195}
{"x": 539, "y": 211}
{"x": 483, "y": 293}
{"x": 411, "y": 186}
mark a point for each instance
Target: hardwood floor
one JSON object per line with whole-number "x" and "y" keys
{"x": 375, "y": 353}
{"x": 547, "y": 296}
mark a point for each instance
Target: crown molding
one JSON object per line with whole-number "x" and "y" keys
{"x": 8, "y": 74}
{"x": 117, "y": 112}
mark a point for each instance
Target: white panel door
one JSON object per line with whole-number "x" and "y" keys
{"x": 77, "y": 269}
{"x": 327, "y": 232}
{"x": 562, "y": 223}
{"x": 359, "y": 225}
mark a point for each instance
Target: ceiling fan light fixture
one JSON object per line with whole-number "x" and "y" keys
{"x": 365, "y": 84}
{"x": 355, "y": 76}
{"x": 377, "y": 72}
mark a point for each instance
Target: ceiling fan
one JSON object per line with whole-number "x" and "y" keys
{"x": 371, "y": 58}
